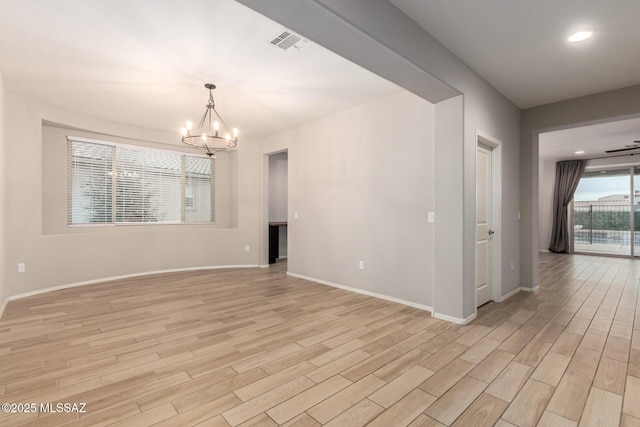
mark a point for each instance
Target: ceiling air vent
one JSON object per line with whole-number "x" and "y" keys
{"x": 287, "y": 40}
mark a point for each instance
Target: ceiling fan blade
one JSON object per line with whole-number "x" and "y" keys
{"x": 622, "y": 149}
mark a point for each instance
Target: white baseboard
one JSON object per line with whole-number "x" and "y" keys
{"x": 544, "y": 250}
{"x": 124, "y": 276}
{"x": 515, "y": 291}
{"x": 3, "y": 306}
{"x": 509, "y": 295}
{"x": 363, "y": 292}
{"x": 455, "y": 320}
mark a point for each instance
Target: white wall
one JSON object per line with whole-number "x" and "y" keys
{"x": 362, "y": 183}
{"x": 377, "y": 36}
{"x": 3, "y": 206}
{"x": 62, "y": 256}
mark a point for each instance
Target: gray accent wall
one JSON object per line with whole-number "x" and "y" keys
{"x": 547, "y": 179}
{"x": 449, "y": 209}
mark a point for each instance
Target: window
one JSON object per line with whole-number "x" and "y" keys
{"x": 118, "y": 184}
{"x": 89, "y": 183}
{"x": 189, "y": 198}
{"x": 197, "y": 188}
{"x": 603, "y": 214}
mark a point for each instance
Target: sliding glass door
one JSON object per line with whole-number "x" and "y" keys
{"x": 635, "y": 209}
{"x": 604, "y": 212}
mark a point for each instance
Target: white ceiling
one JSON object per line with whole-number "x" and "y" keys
{"x": 146, "y": 63}
{"x": 521, "y": 47}
{"x": 594, "y": 140}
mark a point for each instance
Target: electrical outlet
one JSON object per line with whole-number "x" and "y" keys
{"x": 361, "y": 265}
{"x": 22, "y": 267}
{"x": 295, "y": 215}
{"x": 512, "y": 265}
{"x": 518, "y": 216}
{"x": 247, "y": 248}
{"x": 431, "y": 217}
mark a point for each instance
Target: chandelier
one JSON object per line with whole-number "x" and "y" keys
{"x": 212, "y": 134}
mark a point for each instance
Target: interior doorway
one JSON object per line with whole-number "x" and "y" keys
{"x": 602, "y": 216}
{"x": 484, "y": 224}
{"x": 278, "y": 206}
{"x": 488, "y": 207}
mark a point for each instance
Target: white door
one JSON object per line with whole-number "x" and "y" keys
{"x": 483, "y": 224}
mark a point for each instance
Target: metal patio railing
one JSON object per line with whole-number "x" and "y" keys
{"x": 606, "y": 224}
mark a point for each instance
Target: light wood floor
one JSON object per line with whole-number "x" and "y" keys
{"x": 257, "y": 348}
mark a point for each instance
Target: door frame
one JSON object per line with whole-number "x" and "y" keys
{"x": 632, "y": 188}
{"x": 264, "y": 223}
{"x": 496, "y": 213}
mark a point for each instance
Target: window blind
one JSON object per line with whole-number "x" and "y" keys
{"x": 199, "y": 196}
{"x": 147, "y": 186}
{"x": 116, "y": 184}
{"x": 90, "y": 183}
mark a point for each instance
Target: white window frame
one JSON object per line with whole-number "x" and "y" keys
{"x": 115, "y": 145}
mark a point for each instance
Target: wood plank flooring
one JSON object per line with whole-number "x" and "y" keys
{"x": 257, "y": 348}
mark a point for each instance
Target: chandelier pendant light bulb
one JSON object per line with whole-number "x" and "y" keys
{"x": 206, "y": 135}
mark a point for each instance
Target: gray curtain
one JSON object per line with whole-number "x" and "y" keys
{"x": 568, "y": 175}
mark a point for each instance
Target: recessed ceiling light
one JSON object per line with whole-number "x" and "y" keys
{"x": 580, "y": 36}
{"x": 580, "y": 152}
